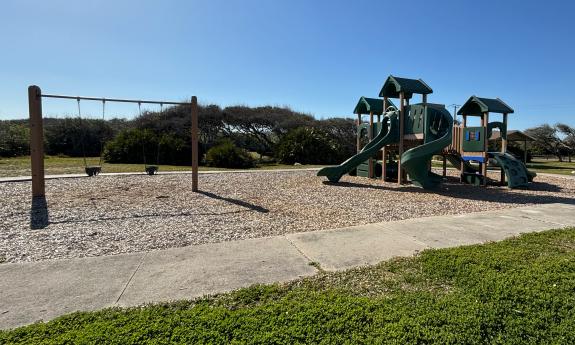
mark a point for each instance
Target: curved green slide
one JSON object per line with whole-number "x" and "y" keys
{"x": 438, "y": 136}
{"x": 384, "y": 137}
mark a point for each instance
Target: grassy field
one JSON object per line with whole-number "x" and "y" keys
{"x": 20, "y": 166}
{"x": 552, "y": 167}
{"x": 518, "y": 291}
{"x": 538, "y": 165}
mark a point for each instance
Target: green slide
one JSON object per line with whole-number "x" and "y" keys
{"x": 515, "y": 171}
{"x": 384, "y": 137}
{"x": 438, "y": 136}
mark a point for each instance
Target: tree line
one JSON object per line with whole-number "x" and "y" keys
{"x": 267, "y": 133}
{"x": 557, "y": 140}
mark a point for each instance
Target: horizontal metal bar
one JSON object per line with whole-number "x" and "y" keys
{"x": 114, "y": 100}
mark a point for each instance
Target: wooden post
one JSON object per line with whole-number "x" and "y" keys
{"x": 358, "y": 144}
{"x": 195, "y": 152}
{"x": 504, "y": 140}
{"x": 370, "y": 137}
{"x": 401, "y": 130}
{"x": 383, "y": 163}
{"x": 463, "y": 125}
{"x": 444, "y": 166}
{"x": 525, "y": 151}
{"x": 36, "y": 141}
{"x": 383, "y": 149}
{"x": 484, "y": 123}
{"x": 503, "y": 146}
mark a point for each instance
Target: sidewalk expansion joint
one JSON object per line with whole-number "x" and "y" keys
{"x": 131, "y": 277}
{"x": 301, "y": 252}
{"x": 556, "y": 224}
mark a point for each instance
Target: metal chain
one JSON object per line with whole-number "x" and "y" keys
{"x": 143, "y": 142}
{"x": 83, "y": 133}
{"x": 102, "y": 139}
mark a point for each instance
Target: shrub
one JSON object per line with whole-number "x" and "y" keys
{"x": 227, "y": 155}
{"x": 14, "y": 139}
{"x": 308, "y": 146}
{"x": 129, "y": 146}
{"x": 76, "y": 137}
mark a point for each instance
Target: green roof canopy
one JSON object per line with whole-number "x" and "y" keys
{"x": 394, "y": 85}
{"x": 477, "y": 106}
{"x": 367, "y": 105}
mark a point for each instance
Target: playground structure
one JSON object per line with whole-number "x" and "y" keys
{"x": 404, "y": 139}
{"x": 35, "y": 97}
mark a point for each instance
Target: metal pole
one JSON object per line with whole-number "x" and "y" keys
{"x": 36, "y": 141}
{"x": 121, "y": 100}
{"x": 455, "y": 106}
{"x": 195, "y": 153}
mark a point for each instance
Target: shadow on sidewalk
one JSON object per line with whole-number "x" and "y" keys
{"x": 39, "y": 218}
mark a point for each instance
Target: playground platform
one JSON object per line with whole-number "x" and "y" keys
{"x": 43, "y": 290}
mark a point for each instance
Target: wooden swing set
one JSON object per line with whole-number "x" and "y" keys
{"x": 37, "y": 135}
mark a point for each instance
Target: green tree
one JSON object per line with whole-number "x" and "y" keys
{"x": 307, "y": 145}
{"x": 546, "y": 140}
{"x": 568, "y": 140}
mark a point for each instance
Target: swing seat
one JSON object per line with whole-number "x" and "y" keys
{"x": 151, "y": 169}
{"x": 93, "y": 170}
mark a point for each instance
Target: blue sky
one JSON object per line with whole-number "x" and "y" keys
{"x": 315, "y": 56}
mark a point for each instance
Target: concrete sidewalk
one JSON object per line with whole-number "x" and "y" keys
{"x": 44, "y": 290}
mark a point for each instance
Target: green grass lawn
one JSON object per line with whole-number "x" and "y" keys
{"x": 552, "y": 167}
{"x": 518, "y": 291}
{"x": 538, "y": 165}
{"x": 20, "y": 166}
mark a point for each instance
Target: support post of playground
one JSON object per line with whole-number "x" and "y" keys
{"x": 484, "y": 122}
{"x": 358, "y": 141}
{"x": 194, "y": 111}
{"x": 36, "y": 141}
{"x": 370, "y": 137}
{"x": 383, "y": 149}
{"x": 462, "y": 164}
{"x": 401, "y": 135}
{"x": 503, "y": 145}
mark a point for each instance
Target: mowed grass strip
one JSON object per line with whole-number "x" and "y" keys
{"x": 552, "y": 167}
{"x": 537, "y": 165}
{"x": 518, "y": 291}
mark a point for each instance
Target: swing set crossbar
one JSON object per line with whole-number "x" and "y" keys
{"x": 35, "y": 97}
{"x": 120, "y": 100}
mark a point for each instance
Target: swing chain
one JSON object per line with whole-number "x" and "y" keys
{"x": 83, "y": 133}
{"x": 102, "y": 137}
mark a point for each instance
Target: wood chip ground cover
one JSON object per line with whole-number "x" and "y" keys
{"x": 121, "y": 214}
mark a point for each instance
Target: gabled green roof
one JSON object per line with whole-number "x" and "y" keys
{"x": 394, "y": 85}
{"x": 478, "y": 105}
{"x": 367, "y": 105}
